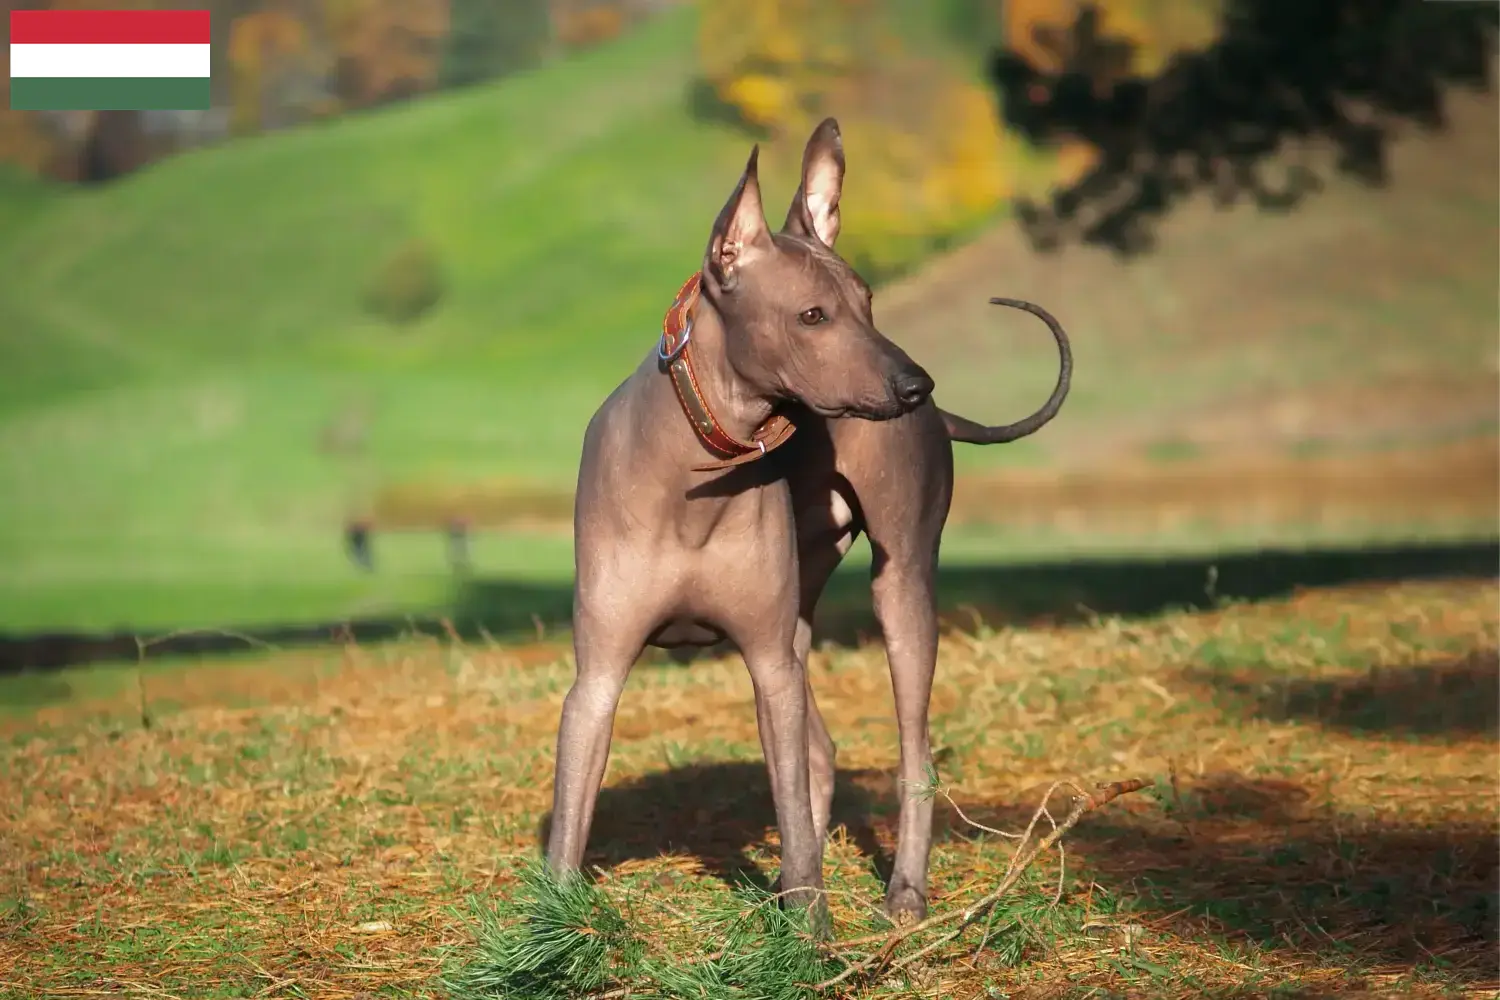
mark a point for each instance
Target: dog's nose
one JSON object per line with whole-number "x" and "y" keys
{"x": 913, "y": 388}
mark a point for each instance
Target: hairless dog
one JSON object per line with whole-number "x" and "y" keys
{"x": 723, "y": 481}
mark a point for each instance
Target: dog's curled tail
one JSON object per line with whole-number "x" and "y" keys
{"x": 967, "y": 431}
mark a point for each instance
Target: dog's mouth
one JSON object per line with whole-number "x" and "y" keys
{"x": 888, "y": 411}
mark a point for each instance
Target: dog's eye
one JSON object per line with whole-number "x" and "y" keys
{"x": 812, "y": 317}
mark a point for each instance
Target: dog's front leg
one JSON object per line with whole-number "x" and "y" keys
{"x": 605, "y": 652}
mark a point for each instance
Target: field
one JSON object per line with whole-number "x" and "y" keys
{"x": 332, "y": 823}
{"x": 176, "y": 347}
{"x": 1253, "y": 563}
{"x": 178, "y": 350}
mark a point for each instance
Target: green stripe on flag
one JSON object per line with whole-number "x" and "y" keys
{"x": 72, "y": 93}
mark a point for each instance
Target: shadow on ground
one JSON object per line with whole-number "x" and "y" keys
{"x": 1251, "y": 859}
{"x": 1228, "y": 855}
{"x": 1076, "y": 590}
{"x": 717, "y": 813}
{"x": 995, "y": 593}
{"x": 1453, "y": 698}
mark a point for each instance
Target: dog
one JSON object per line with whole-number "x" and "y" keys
{"x": 722, "y": 483}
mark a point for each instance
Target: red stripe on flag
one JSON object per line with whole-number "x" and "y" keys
{"x": 104, "y": 27}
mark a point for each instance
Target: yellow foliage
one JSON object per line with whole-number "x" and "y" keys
{"x": 972, "y": 168}
{"x": 909, "y": 186}
{"x": 929, "y": 158}
{"x": 1160, "y": 29}
{"x": 762, "y": 100}
{"x": 765, "y": 57}
{"x": 927, "y": 154}
{"x": 735, "y": 33}
{"x": 269, "y": 33}
{"x": 1156, "y": 30}
{"x": 1074, "y": 161}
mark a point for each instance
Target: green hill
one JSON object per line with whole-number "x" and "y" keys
{"x": 177, "y": 349}
{"x": 559, "y": 203}
{"x": 174, "y": 345}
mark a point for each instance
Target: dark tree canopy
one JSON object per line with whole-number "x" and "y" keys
{"x": 1283, "y": 73}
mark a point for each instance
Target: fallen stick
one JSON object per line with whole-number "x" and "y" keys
{"x": 1027, "y": 853}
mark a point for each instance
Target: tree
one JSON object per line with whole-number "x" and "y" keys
{"x": 928, "y": 158}
{"x": 261, "y": 45}
{"x": 386, "y": 49}
{"x": 489, "y": 38}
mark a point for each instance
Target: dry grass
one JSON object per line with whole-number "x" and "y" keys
{"x": 1324, "y": 816}
{"x": 1453, "y": 482}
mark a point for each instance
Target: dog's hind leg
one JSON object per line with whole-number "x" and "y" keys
{"x": 903, "y": 589}
{"x": 824, "y": 536}
{"x": 822, "y": 754}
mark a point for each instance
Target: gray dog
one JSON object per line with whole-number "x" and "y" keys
{"x": 720, "y": 486}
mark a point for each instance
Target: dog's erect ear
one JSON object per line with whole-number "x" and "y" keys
{"x": 815, "y": 207}
{"x": 740, "y": 229}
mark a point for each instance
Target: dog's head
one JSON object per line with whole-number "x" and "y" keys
{"x": 797, "y": 318}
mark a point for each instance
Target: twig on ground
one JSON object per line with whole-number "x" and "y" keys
{"x": 1062, "y": 854}
{"x": 1025, "y": 855}
{"x": 975, "y": 823}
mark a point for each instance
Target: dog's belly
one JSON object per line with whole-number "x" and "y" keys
{"x": 685, "y": 632}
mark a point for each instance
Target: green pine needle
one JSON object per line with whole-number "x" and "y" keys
{"x": 564, "y": 939}
{"x": 761, "y": 952}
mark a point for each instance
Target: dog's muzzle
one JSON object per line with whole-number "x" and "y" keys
{"x": 912, "y": 388}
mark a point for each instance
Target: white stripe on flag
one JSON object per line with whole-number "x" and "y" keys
{"x": 109, "y": 60}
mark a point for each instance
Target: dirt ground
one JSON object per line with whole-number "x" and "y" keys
{"x": 1456, "y": 483}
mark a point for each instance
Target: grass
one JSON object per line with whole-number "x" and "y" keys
{"x": 175, "y": 344}
{"x": 175, "y": 348}
{"x": 360, "y": 820}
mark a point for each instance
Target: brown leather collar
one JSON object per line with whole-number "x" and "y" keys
{"x": 674, "y": 359}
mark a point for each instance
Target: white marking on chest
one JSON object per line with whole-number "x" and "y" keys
{"x": 839, "y": 510}
{"x": 842, "y": 516}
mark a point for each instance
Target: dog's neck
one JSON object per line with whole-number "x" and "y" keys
{"x": 723, "y": 420}
{"x": 739, "y": 409}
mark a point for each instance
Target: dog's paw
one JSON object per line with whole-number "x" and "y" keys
{"x": 905, "y": 904}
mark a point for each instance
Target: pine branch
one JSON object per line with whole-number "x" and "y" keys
{"x": 573, "y": 941}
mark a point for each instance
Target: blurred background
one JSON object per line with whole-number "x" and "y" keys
{"x": 321, "y": 358}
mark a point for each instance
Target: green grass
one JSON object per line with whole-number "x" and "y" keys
{"x": 365, "y": 820}
{"x": 173, "y": 346}
{"x": 257, "y": 251}
{"x": 217, "y": 584}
